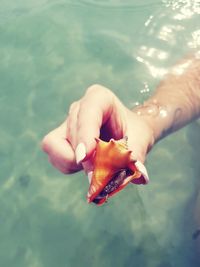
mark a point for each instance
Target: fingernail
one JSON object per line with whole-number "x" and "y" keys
{"x": 143, "y": 170}
{"x": 91, "y": 191}
{"x": 80, "y": 152}
{"x": 90, "y": 176}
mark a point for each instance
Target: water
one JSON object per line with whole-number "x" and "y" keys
{"x": 50, "y": 52}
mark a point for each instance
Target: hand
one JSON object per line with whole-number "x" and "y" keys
{"x": 99, "y": 113}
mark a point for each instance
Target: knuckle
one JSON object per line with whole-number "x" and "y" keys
{"x": 99, "y": 89}
{"x": 46, "y": 143}
{"x": 95, "y": 87}
{"x": 73, "y": 106}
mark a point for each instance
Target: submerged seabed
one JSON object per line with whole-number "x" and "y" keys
{"x": 51, "y": 51}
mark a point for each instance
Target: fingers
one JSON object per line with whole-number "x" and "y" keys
{"x": 71, "y": 131}
{"x": 72, "y": 145}
{"x": 86, "y": 118}
{"x": 60, "y": 152}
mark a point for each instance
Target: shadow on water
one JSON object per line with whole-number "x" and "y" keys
{"x": 116, "y": 234}
{"x": 120, "y": 236}
{"x": 45, "y": 224}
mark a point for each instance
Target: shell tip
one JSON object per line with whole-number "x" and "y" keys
{"x": 112, "y": 141}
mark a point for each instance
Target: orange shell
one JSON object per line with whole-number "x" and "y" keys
{"x": 111, "y": 157}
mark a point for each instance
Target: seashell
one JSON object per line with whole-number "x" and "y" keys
{"x": 114, "y": 168}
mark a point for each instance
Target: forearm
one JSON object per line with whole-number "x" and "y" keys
{"x": 176, "y": 100}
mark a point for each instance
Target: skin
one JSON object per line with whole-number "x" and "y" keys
{"x": 100, "y": 113}
{"x": 176, "y": 101}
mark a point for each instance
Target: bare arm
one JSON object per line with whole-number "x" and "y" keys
{"x": 176, "y": 101}
{"x": 99, "y": 113}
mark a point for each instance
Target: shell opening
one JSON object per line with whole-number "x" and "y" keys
{"x": 113, "y": 184}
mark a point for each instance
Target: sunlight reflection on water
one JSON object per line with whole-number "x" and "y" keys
{"x": 51, "y": 51}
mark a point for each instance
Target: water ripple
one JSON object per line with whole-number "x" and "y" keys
{"x": 120, "y": 3}
{"x": 13, "y": 10}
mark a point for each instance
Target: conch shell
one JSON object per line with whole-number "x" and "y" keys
{"x": 114, "y": 168}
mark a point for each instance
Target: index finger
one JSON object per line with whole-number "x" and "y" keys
{"x": 95, "y": 108}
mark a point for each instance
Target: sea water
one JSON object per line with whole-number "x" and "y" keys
{"x": 50, "y": 52}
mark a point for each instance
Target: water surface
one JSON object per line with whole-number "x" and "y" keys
{"x": 51, "y": 51}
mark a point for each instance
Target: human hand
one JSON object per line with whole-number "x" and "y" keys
{"x": 99, "y": 113}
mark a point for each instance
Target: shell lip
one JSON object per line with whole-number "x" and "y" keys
{"x": 140, "y": 178}
{"x": 102, "y": 200}
{"x": 126, "y": 177}
{"x": 106, "y": 188}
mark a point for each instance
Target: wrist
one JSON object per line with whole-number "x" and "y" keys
{"x": 159, "y": 118}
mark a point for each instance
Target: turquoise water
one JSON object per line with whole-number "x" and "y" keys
{"x": 51, "y": 51}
